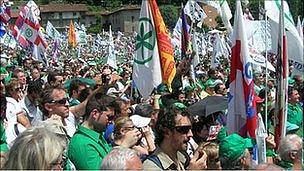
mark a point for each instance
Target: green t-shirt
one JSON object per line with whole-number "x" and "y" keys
{"x": 3, "y": 143}
{"x": 295, "y": 114}
{"x": 87, "y": 148}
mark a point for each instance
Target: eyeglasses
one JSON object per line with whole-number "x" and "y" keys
{"x": 133, "y": 127}
{"x": 183, "y": 129}
{"x": 61, "y": 101}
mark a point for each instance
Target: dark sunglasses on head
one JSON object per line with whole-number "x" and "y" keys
{"x": 183, "y": 129}
{"x": 61, "y": 101}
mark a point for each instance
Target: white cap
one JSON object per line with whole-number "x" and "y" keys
{"x": 140, "y": 121}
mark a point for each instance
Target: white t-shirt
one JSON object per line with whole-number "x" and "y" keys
{"x": 12, "y": 130}
{"x": 12, "y": 109}
{"x": 70, "y": 124}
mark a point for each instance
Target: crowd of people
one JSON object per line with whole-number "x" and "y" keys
{"x": 73, "y": 115}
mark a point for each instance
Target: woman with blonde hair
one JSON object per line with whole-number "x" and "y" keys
{"x": 123, "y": 126}
{"x": 36, "y": 149}
{"x": 16, "y": 120}
{"x": 212, "y": 151}
{"x": 123, "y": 133}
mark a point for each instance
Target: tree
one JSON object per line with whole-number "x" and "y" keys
{"x": 170, "y": 15}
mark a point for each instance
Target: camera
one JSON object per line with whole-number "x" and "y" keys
{"x": 105, "y": 79}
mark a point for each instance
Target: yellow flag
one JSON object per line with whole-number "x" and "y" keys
{"x": 164, "y": 45}
{"x": 72, "y": 35}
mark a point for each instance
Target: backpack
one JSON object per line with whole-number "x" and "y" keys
{"x": 155, "y": 160}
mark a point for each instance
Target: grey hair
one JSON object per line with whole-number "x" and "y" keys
{"x": 34, "y": 149}
{"x": 289, "y": 143}
{"x": 117, "y": 158}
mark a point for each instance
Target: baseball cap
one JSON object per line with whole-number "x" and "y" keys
{"x": 142, "y": 115}
{"x": 210, "y": 83}
{"x": 233, "y": 146}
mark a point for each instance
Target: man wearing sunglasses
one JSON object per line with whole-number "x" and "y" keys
{"x": 173, "y": 131}
{"x": 55, "y": 102}
{"x": 88, "y": 147}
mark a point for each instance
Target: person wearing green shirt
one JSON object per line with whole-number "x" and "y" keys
{"x": 294, "y": 110}
{"x": 3, "y": 143}
{"x": 87, "y": 147}
{"x": 75, "y": 88}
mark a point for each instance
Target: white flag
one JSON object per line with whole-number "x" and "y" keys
{"x": 295, "y": 43}
{"x": 259, "y": 60}
{"x": 226, "y": 15}
{"x": 300, "y": 28}
{"x": 241, "y": 115}
{"x": 195, "y": 60}
{"x": 219, "y": 49}
{"x": 111, "y": 55}
{"x": 38, "y": 54}
{"x": 146, "y": 66}
{"x": 223, "y": 9}
{"x": 195, "y": 12}
{"x": 51, "y": 31}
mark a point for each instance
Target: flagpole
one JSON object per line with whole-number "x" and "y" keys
{"x": 266, "y": 79}
{"x": 266, "y": 89}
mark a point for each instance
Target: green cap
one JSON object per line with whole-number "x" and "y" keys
{"x": 291, "y": 81}
{"x": 210, "y": 83}
{"x": 222, "y": 134}
{"x": 233, "y": 146}
{"x": 179, "y": 106}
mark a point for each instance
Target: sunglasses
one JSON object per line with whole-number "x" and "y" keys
{"x": 130, "y": 127}
{"x": 111, "y": 117}
{"x": 17, "y": 89}
{"x": 61, "y": 101}
{"x": 183, "y": 129}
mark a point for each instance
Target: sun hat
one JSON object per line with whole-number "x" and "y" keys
{"x": 233, "y": 146}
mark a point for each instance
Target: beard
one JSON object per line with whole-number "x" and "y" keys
{"x": 98, "y": 127}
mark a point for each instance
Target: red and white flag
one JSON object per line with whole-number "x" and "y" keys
{"x": 27, "y": 27}
{"x": 5, "y": 13}
{"x": 31, "y": 30}
{"x": 241, "y": 116}
{"x": 282, "y": 81}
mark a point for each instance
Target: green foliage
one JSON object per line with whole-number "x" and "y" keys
{"x": 170, "y": 15}
{"x": 96, "y": 28}
{"x": 94, "y": 8}
{"x": 115, "y": 3}
{"x": 296, "y": 8}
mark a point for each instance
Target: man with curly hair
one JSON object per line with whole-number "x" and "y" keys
{"x": 173, "y": 131}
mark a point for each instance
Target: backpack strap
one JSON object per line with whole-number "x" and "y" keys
{"x": 16, "y": 129}
{"x": 155, "y": 160}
